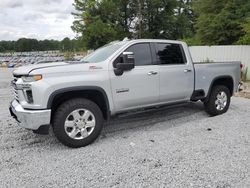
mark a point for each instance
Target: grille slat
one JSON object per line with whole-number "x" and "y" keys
{"x": 14, "y": 89}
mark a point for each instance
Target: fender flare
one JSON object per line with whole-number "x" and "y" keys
{"x": 79, "y": 88}
{"x": 217, "y": 78}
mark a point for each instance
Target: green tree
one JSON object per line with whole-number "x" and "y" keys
{"x": 172, "y": 19}
{"x": 156, "y": 18}
{"x": 220, "y": 22}
{"x": 102, "y": 21}
{"x": 46, "y": 45}
{"x": 184, "y": 20}
{"x": 26, "y": 45}
{"x": 245, "y": 40}
{"x": 7, "y": 46}
{"x": 66, "y": 44}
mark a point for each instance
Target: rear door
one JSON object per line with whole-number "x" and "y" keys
{"x": 140, "y": 86}
{"x": 176, "y": 74}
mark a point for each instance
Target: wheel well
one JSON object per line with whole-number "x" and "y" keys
{"x": 225, "y": 81}
{"x": 94, "y": 95}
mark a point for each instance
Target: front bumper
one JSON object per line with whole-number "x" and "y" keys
{"x": 29, "y": 119}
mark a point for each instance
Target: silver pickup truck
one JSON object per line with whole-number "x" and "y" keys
{"x": 76, "y": 98}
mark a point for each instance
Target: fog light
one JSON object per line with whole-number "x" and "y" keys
{"x": 28, "y": 96}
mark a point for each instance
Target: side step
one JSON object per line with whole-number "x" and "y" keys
{"x": 198, "y": 95}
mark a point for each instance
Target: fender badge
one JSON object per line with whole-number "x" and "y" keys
{"x": 94, "y": 67}
{"x": 123, "y": 90}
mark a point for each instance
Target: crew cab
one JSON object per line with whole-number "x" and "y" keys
{"x": 75, "y": 98}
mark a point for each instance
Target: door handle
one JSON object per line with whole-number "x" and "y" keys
{"x": 152, "y": 73}
{"x": 187, "y": 70}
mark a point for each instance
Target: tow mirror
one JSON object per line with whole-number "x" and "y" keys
{"x": 128, "y": 61}
{"x": 125, "y": 62}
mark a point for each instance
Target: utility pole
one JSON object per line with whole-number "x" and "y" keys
{"x": 140, "y": 19}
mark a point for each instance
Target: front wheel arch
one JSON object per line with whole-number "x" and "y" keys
{"x": 93, "y": 93}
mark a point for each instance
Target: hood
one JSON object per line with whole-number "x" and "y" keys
{"x": 59, "y": 67}
{"x": 25, "y": 70}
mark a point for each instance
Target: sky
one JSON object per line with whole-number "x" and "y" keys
{"x": 40, "y": 19}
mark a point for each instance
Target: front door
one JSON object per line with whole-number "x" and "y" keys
{"x": 138, "y": 87}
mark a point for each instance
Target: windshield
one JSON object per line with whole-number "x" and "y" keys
{"x": 102, "y": 53}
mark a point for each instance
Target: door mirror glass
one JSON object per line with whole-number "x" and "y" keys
{"x": 126, "y": 63}
{"x": 128, "y": 57}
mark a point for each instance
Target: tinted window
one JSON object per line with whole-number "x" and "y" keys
{"x": 170, "y": 53}
{"x": 142, "y": 54}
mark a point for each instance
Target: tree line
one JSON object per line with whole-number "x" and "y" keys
{"x": 198, "y": 22}
{"x": 27, "y": 45}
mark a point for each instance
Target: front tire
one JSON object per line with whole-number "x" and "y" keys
{"x": 218, "y": 101}
{"x": 77, "y": 122}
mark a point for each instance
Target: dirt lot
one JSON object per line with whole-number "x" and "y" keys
{"x": 172, "y": 147}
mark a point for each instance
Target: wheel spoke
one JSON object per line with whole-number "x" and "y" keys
{"x": 76, "y": 115}
{"x": 90, "y": 124}
{"x": 86, "y": 115}
{"x": 84, "y": 133}
{"x": 69, "y": 123}
{"x": 73, "y": 133}
{"x": 219, "y": 96}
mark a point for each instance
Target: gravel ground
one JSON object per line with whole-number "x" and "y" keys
{"x": 172, "y": 147}
{"x": 245, "y": 90}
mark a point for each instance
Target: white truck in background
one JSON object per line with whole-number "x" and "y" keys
{"x": 76, "y": 98}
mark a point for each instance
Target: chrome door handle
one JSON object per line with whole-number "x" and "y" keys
{"x": 187, "y": 70}
{"x": 152, "y": 73}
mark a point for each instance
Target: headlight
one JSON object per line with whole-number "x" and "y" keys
{"x": 32, "y": 78}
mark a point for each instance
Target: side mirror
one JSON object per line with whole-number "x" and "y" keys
{"x": 128, "y": 61}
{"x": 125, "y": 62}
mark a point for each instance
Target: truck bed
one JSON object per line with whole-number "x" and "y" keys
{"x": 206, "y": 73}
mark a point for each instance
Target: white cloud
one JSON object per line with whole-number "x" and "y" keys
{"x": 10, "y": 4}
{"x": 39, "y": 19}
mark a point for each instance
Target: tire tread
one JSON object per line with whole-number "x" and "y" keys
{"x": 210, "y": 103}
{"x": 61, "y": 114}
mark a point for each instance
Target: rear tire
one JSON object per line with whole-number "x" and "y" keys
{"x": 77, "y": 122}
{"x": 218, "y": 101}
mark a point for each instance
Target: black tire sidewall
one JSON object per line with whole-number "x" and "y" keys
{"x": 64, "y": 110}
{"x": 210, "y": 104}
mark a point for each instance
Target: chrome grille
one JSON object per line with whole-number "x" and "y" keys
{"x": 14, "y": 89}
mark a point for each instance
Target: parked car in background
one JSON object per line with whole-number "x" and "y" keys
{"x": 26, "y": 58}
{"x": 40, "y": 62}
{"x": 11, "y": 65}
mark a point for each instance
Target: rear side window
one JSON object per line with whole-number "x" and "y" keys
{"x": 170, "y": 54}
{"x": 142, "y": 54}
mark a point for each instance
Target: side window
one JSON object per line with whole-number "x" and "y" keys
{"x": 142, "y": 54}
{"x": 170, "y": 54}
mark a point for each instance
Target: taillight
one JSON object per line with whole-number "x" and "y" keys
{"x": 241, "y": 66}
